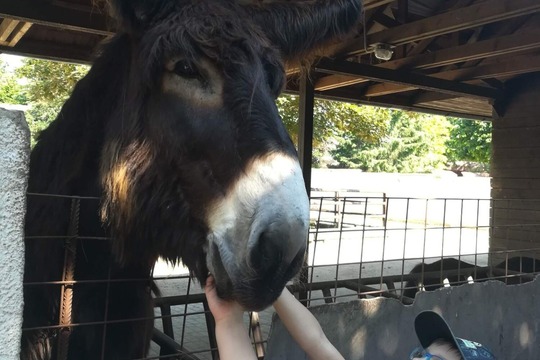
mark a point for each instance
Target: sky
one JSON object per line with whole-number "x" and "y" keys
{"x": 12, "y": 61}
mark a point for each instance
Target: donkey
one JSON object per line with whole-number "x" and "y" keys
{"x": 429, "y": 277}
{"x": 174, "y": 141}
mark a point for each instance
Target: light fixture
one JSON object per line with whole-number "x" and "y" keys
{"x": 383, "y": 51}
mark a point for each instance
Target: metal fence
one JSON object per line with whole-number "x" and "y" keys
{"x": 360, "y": 246}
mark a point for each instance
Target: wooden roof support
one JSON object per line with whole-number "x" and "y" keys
{"x": 405, "y": 78}
{"x": 48, "y": 51}
{"x": 455, "y": 20}
{"x": 370, "y": 4}
{"x": 393, "y": 102}
{"x": 519, "y": 65}
{"x": 19, "y": 34}
{"x": 6, "y": 28}
{"x": 41, "y": 13}
{"x": 305, "y": 128}
{"x": 481, "y": 49}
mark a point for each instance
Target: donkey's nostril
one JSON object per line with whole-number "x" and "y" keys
{"x": 267, "y": 254}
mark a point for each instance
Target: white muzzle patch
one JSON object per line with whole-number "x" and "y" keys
{"x": 271, "y": 192}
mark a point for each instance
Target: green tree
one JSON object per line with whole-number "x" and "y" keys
{"x": 414, "y": 143}
{"x": 48, "y": 85}
{"x": 11, "y": 91}
{"x": 470, "y": 140}
{"x": 333, "y": 120}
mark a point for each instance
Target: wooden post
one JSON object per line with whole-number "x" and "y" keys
{"x": 305, "y": 127}
{"x": 305, "y": 152}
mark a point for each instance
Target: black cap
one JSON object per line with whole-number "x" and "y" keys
{"x": 430, "y": 326}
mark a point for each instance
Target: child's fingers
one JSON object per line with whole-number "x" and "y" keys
{"x": 210, "y": 281}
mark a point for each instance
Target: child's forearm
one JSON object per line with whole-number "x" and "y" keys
{"x": 304, "y": 328}
{"x": 233, "y": 340}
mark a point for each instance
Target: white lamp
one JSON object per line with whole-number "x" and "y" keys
{"x": 383, "y": 51}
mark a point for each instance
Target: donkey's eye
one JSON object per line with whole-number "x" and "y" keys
{"x": 274, "y": 77}
{"x": 186, "y": 69}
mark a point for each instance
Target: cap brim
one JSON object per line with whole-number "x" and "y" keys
{"x": 430, "y": 326}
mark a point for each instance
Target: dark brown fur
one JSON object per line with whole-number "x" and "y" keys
{"x": 154, "y": 163}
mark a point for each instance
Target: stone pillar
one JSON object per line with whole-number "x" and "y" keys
{"x": 14, "y": 158}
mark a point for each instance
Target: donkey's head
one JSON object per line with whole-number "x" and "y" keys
{"x": 197, "y": 165}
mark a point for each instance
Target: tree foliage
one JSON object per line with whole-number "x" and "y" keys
{"x": 414, "y": 143}
{"x": 345, "y": 135}
{"x": 11, "y": 91}
{"x": 48, "y": 85}
{"x": 469, "y": 140}
{"x": 333, "y": 120}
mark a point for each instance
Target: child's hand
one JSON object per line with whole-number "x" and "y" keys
{"x": 223, "y": 310}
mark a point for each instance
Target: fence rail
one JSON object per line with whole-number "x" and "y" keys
{"x": 360, "y": 245}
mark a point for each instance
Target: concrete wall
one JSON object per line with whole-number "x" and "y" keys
{"x": 14, "y": 150}
{"x": 515, "y": 169}
{"x": 504, "y": 318}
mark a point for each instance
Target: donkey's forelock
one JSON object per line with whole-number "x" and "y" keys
{"x": 221, "y": 32}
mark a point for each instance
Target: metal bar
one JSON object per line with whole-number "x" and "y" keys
{"x": 211, "y": 329}
{"x": 164, "y": 341}
{"x": 166, "y": 322}
{"x": 258, "y": 339}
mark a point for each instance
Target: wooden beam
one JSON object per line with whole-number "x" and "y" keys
{"x": 49, "y": 51}
{"x": 347, "y": 95}
{"x": 405, "y": 78}
{"x": 479, "y": 50}
{"x": 370, "y": 4}
{"x": 41, "y": 13}
{"x": 385, "y": 20}
{"x": 6, "y": 28}
{"x": 427, "y": 97}
{"x": 386, "y": 89}
{"x": 19, "y": 34}
{"x": 451, "y": 21}
{"x": 305, "y": 128}
{"x": 519, "y": 65}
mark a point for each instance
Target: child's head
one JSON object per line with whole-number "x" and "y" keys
{"x": 439, "y": 349}
{"x": 444, "y": 349}
{"x": 439, "y": 343}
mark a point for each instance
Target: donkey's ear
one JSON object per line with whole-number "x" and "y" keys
{"x": 133, "y": 15}
{"x": 296, "y": 28}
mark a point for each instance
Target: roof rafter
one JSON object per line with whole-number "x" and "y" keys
{"x": 519, "y": 65}
{"x": 392, "y": 102}
{"x": 478, "y": 50}
{"x": 40, "y": 13}
{"x": 448, "y": 22}
{"x": 6, "y": 28}
{"x": 49, "y": 51}
{"x": 405, "y": 78}
{"x": 370, "y": 4}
